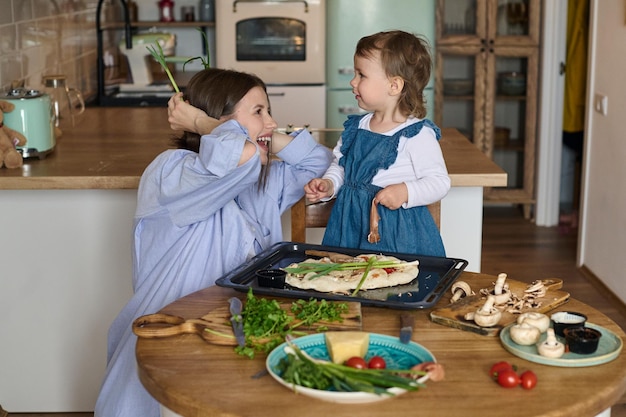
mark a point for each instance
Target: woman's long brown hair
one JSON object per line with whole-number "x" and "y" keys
{"x": 217, "y": 92}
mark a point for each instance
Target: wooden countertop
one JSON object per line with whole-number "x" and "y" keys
{"x": 111, "y": 146}
{"x": 194, "y": 378}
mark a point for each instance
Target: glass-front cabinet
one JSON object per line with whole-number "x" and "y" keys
{"x": 486, "y": 80}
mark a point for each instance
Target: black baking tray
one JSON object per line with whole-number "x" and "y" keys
{"x": 436, "y": 275}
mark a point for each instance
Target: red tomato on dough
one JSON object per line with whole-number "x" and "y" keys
{"x": 508, "y": 379}
{"x": 529, "y": 379}
{"x": 356, "y": 362}
{"x": 376, "y": 362}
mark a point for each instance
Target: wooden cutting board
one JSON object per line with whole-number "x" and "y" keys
{"x": 221, "y": 331}
{"x": 453, "y": 315}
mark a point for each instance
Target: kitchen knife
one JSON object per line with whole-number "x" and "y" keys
{"x": 236, "y": 320}
{"x": 406, "y": 327}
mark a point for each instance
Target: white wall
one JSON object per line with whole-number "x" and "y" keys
{"x": 602, "y": 244}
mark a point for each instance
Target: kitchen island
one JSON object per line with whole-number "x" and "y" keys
{"x": 68, "y": 268}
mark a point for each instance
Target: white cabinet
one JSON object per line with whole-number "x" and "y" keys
{"x": 298, "y": 106}
{"x": 66, "y": 274}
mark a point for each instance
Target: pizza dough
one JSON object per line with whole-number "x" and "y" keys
{"x": 346, "y": 281}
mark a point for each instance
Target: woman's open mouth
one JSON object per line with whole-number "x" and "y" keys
{"x": 263, "y": 142}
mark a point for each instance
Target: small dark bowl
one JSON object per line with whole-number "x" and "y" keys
{"x": 272, "y": 278}
{"x": 583, "y": 340}
{"x": 567, "y": 320}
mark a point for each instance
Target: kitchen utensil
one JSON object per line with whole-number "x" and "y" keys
{"x": 164, "y": 325}
{"x": 436, "y": 275}
{"x": 67, "y": 103}
{"x": 396, "y": 355}
{"x": 33, "y": 118}
{"x": 220, "y": 328}
{"x": 406, "y": 330}
{"x": 453, "y": 315}
{"x": 237, "y": 321}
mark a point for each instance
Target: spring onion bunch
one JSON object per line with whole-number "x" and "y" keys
{"x": 159, "y": 56}
{"x": 300, "y": 369}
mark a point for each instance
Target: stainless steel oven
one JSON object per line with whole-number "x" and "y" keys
{"x": 283, "y": 42}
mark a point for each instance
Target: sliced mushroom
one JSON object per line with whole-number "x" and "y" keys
{"x": 460, "y": 289}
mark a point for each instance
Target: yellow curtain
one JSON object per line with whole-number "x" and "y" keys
{"x": 576, "y": 66}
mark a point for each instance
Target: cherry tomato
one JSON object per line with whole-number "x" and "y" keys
{"x": 498, "y": 367}
{"x": 376, "y": 362}
{"x": 529, "y": 379}
{"x": 508, "y": 378}
{"x": 356, "y": 362}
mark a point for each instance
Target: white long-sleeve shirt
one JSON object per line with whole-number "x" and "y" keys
{"x": 420, "y": 165}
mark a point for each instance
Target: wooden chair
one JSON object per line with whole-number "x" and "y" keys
{"x": 305, "y": 215}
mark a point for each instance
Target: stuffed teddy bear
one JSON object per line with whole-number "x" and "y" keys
{"x": 9, "y": 139}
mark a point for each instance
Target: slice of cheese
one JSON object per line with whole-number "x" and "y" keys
{"x": 344, "y": 345}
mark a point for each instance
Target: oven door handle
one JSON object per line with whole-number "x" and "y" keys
{"x": 306, "y": 4}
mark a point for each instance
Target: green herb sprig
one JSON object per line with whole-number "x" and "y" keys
{"x": 159, "y": 56}
{"x": 370, "y": 262}
{"x": 298, "y": 368}
{"x": 266, "y": 324}
{"x": 206, "y": 63}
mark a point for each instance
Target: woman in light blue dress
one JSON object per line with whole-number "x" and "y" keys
{"x": 204, "y": 209}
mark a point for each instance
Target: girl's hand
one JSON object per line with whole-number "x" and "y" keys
{"x": 183, "y": 116}
{"x": 317, "y": 189}
{"x": 393, "y": 196}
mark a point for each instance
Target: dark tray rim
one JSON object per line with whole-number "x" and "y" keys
{"x": 236, "y": 279}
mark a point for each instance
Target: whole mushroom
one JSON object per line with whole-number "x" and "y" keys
{"x": 551, "y": 347}
{"x": 487, "y": 315}
{"x": 524, "y": 334}
{"x": 539, "y": 320}
{"x": 460, "y": 289}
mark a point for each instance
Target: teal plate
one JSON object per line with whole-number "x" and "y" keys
{"x": 397, "y": 355}
{"x": 609, "y": 348}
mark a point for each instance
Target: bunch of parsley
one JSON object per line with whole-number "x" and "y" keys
{"x": 266, "y": 324}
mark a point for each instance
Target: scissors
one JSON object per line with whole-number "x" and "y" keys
{"x": 217, "y": 331}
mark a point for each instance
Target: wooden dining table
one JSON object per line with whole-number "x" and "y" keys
{"x": 191, "y": 377}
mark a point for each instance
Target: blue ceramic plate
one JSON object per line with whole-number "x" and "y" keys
{"x": 609, "y": 348}
{"x": 397, "y": 355}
